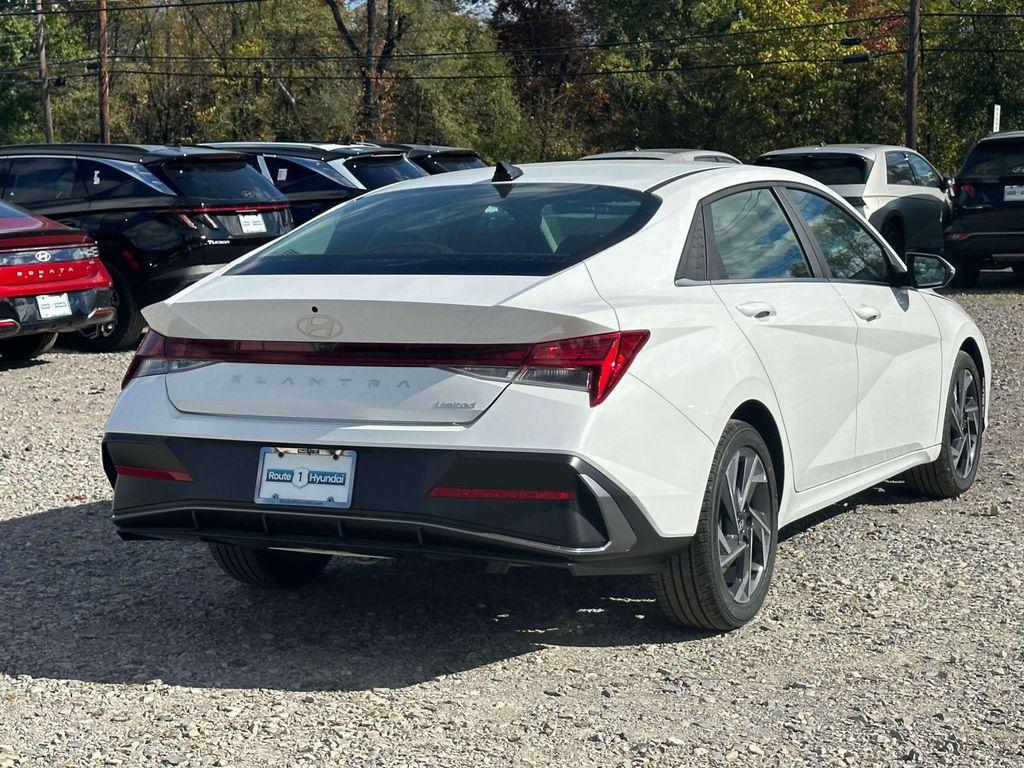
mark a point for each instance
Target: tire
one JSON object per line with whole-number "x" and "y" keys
{"x": 946, "y": 478}
{"x": 893, "y": 234}
{"x": 27, "y": 347}
{"x": 967, "y": 272}
{"x": 269, "y": 568}
{"x": 124, "y": 331}
{"x": 694, "y": 589}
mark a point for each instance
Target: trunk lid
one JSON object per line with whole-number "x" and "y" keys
{"x": 456, "y": 312}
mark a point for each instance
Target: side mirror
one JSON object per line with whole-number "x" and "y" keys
{"x": 946, "y": 184}
{"x": 926, "y": 270}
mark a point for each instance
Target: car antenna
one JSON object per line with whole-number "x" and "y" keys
{"x": 505, "y": 172}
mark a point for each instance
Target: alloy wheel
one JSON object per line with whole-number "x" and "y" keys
{"x": 744, "y": 524}
{"x": 964, "y": 424}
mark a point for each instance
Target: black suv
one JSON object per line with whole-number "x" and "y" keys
{"x": 162, "y": 216}
{"x": 317, "y": 177}
{"x": 986, "y": 227}
{"x": 437, "y": 159}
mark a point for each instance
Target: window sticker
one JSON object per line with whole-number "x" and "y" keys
{"x": 282, "y": 174}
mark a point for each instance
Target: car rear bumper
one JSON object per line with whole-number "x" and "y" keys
{"x": 87, "y": 309}
{"x": 600, "y": 531}
{"x": 989, "y": 248}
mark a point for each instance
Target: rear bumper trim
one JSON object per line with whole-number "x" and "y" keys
{"x": 601, "y": 532}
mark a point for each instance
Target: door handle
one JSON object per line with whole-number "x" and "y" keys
{"x": 759, "y": 310}
{"x": 868, "y": 313}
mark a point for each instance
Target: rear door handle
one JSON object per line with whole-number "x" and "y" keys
{"x": 759, "y": 310}
{"x": 868, "y": 313}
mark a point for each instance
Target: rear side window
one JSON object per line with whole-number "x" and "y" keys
{"x": 898, "y": 170}
{"x": 475, "y": 229}
{"x": 296, "y": 177}
{"x": 995, "y": 159}
{"x": 225, "y": 181}
{"x": 374, "y": 172}
{"x": 446, "y": 163}
{"x": 830, "y": 169}
{"x": 851, "y": 253}
{"x": 105, "y": 183}
{"x": 42, "y": 181}
{"x": 753, "y": 238}
{"x": 926, "y": 175}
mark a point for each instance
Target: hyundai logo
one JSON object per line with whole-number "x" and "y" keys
{"x": 43, "y": 256}
{"x": 319, "y": 326}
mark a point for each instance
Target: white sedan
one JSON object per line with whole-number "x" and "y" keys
{"x": 616, "y": 367}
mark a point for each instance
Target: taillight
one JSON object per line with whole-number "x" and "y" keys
{"x": 594, "y": 364}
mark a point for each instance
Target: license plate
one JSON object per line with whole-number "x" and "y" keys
{"x": 252, "y": 223}
{"x": 56, "y": 305}
{"x": 306, "y": 477}
{"x": 1013, "y": 193}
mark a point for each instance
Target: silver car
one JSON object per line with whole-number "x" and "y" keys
{"x": 671, "y": 155}
{"x": 895, "y": 188}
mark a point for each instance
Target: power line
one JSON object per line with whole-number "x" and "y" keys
{"x": 118, "y": 8}
{"x": 503, "y": 76}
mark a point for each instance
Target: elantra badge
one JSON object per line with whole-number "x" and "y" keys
{"x": 319, "y": 326}
{"x": 43, "y": 256}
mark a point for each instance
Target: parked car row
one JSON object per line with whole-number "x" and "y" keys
{"x": 162, "y": 217}
{"x": 976, "y": 220}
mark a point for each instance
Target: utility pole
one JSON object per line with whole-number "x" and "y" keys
{"x": 913, "y": 69}
{"x": 104, "y": 71}
{"x": 44, "y": 76}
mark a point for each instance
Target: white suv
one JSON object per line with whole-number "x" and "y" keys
{"x": 894, "y": 188}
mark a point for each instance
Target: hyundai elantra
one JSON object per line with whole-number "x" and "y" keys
{"x": 611, "y": 368}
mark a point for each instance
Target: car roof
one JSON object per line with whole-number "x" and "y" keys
{"x": 1004, "y": 136}
{"x": 133, "y": 153}
{"x": 672, "y": 155}
{"x": 310, "y": 150}
{"x": 639, "y": 175}
{"x": 426, "y": 150}
{"x": 869, "y": 151}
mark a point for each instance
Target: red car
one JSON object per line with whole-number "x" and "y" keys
{"x": 51, "y": 281}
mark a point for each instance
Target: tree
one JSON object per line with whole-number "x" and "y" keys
{"x": 376, "y": 52}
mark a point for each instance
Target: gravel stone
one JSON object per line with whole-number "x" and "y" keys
{"x": 891, "y": 635}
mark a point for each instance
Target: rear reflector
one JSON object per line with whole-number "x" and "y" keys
{"x": 593, "y": 363}
{"x": 154, "y": 474}
{"x": 507, "y": 494}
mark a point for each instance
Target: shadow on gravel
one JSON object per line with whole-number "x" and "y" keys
{"x": 11, "y": 365}
{"x": 886, "y": 494}
{"x": 77, "y": 603}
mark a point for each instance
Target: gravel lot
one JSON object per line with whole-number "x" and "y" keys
{"x": 892, "y": 634}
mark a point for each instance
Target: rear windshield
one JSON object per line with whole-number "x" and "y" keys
{"x": 995, "y": 158}
{"x": 445, "y": 163}
{"x": 832, "y": 170}
{"x": 229, "y": 181}
{"x": 374, "y": 172}
{"x": 477, "y": 229}
{"x": 12, "y": 218}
